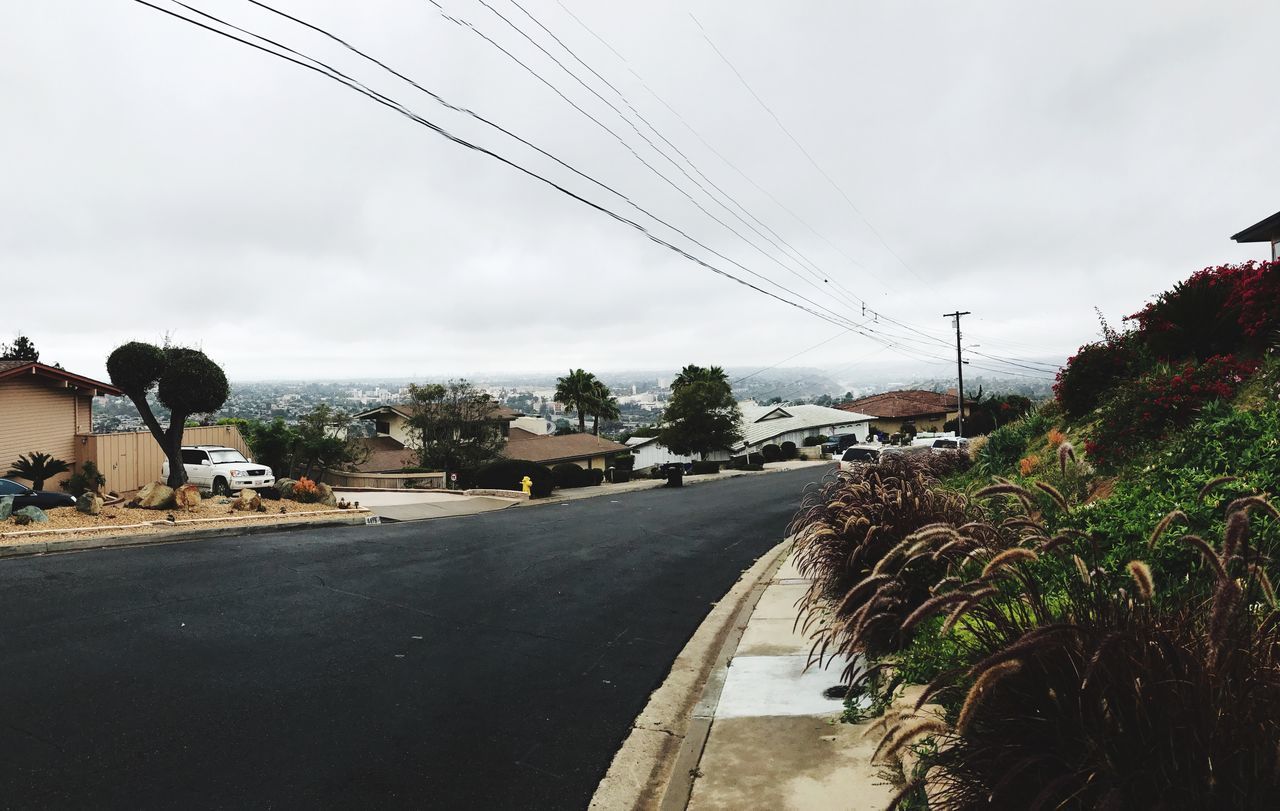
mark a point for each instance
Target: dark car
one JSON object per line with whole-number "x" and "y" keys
{"x": 26, "y": 497}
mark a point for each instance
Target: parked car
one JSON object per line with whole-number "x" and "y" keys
{"x": 26, "y": 497}
{"x": 836, "y": 444}
{"x": 949, "y": 444}
{"x": 220, "y": 470}
{"x": 859, "y": 455}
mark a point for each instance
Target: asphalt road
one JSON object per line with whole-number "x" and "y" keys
{"x": 493, "y": 661}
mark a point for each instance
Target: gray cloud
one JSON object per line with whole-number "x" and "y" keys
{"x": 1026, "y": 163}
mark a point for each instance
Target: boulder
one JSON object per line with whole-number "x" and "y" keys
{"x": 326, "y": 495}
{"x": 285, "y": 487}
{"x": 247, "y": 501}
{"x": 6, "y": 507}
{"x": 90, "y": 503}
{"x": 186, "y": 497}
{"x": 154, "y": 496}
{"x": 34, "y": 513}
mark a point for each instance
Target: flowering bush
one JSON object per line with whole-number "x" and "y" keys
{"x": 1147, "y": 408}
{"x": 306, "y": 491}
{"x": 1056, "y": 437}
{"x": 1217, "y": 311}
{"x": 1028, "y": 464}
{"x": 1095, "y": 369}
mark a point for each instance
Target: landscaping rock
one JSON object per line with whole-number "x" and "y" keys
{"x": 247, "y": 501}
{"x": 90, "y": 503}
{"x": 285, "y": 486}
{"x": 6, "y": 507}
{"x": 186, "y": 497}
{"x": 34, "y": 513}
{"x": 154, "y": 496}
{"x": 326, "y": 495}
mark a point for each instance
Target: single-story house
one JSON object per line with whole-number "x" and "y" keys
{"x": 648, "y": 451}
{"x": 43, "y": 408}
{"x": 776, "y": 424}
{"x": 584, "y": 450}
{"x": 926, "y": 410}
{"x": 1266, "y": 231}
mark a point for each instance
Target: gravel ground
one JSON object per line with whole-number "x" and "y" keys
{"x": 116, "y": 520}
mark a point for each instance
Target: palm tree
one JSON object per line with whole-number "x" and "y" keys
{"x": 605, "y": 405}
{"x": 700, "y": 374}
{"x": 37, "y": 467}
{"x": 577, "y": 389}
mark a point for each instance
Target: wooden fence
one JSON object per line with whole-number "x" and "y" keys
{"x": 130, "y": 460}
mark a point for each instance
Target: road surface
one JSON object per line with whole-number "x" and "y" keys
{"x": 492, "y": 661}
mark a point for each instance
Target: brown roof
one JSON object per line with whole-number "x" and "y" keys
{"x": 11, "y": 369}
{"x": 902, "y": 404}
{"x": 551, "y": 449}
{"x": 386, "y": 455}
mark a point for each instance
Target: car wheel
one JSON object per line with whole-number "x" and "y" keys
{"x": 220, "y": 487}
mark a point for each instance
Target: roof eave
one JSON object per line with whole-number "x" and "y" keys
{"x": 1265, "y": 231}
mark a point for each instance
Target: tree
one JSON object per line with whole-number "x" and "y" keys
{"x": 577, "y": 389}
{"x": 272, "y": 444}
{"x": 702, "y": 415}
{"x": 186, "y": 381}
{"x": 37, "y": 467}
{"x": 454, "y": 426}
{"x": 603, "y": 405}
{"x": 322, "y": 443}
{"x": 21, "y": 349}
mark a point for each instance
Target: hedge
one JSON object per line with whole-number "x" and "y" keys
{"x": 506, "y": 474}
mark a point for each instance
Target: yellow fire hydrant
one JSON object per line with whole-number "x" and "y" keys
{"x": 526, "y": 484}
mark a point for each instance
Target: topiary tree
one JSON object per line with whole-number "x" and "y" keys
{"x": 186, "y": 382}
{"x": 771, "y": 452}
{"x": 789, "y": 451}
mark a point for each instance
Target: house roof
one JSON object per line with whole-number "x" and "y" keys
{"x": 498, "y": 413}
{"x": 14, "y": 369}
{"x": 1265, "y": 231}
{"x": 386, "y": 455}
{"x": 902, "y": 404}
{"x": 548, "y": 449}
{"x": 762, "y": 423}
{"x": 637, "y": 441}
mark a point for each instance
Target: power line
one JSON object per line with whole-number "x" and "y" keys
{"x": 804, "y": 151}
{"x": 331, "y": 73}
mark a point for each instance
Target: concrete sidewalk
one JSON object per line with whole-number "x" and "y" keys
{"x": 775, "y": 740}
{"x": 419, "y": 505}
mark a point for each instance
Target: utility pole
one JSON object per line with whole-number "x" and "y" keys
{"x": 959, "y": 374}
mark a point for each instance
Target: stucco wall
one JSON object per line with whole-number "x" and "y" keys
{"x": 39, "y": 415}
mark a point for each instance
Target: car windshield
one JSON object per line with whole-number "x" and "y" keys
{"x": 222, "y": 457}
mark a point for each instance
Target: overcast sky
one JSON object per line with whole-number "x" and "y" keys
{"x": 1023, "y": 161}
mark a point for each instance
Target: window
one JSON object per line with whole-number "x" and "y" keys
{"x": 193, "y": 457}
{"x": 8, "y": 488}
{"x": 382, "y": 427}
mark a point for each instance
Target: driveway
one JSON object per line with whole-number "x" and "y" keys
{"x": 493, "y": 661}
{"x": 417, "y": 505}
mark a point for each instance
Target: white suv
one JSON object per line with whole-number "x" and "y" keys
{"x": 221, "y": 470}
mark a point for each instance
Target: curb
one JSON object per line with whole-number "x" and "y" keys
{"x": 12, "y": 550}
{"x": 654, "y": 768}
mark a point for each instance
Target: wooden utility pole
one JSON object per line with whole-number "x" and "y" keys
{"x": 959, "y": 374}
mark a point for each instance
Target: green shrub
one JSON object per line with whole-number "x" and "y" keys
{"x": 701, "y": 468}
{"x": 789, "y": 451}
{"x": 811, "y": 441}
{"x": 86, "y": 479}
{"x": 623, "y": 462}
{"x": 568, "y": 475}
{"x": 595, "y": 477}
{"x": 506, "y": 474}
{"x": 771, "y": 453}
{"x": 748, "y": 462}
